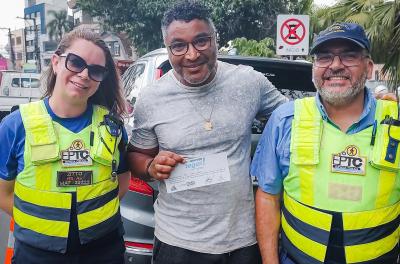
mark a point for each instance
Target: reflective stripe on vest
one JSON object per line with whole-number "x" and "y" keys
{"x": 41, "y": 208}
{"x": 370, "y": 221}
{"x": 306, "y": 232}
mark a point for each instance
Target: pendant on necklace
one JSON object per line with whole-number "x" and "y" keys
{"x": 208, "y": 125}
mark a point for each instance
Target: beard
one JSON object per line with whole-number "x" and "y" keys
{"x": 208, "y": 60}
{"x": 198, "y": 82}
{"x": 340, "y": 98}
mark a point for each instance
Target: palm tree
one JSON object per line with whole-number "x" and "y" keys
{"x": 357, "y": 11}
{"x": 59, "y": 25}
{"x": 386, "y": 35}
{"x": 381, "y": 20}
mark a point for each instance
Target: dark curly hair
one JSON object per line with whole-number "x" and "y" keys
{"x": 186, "y": 10}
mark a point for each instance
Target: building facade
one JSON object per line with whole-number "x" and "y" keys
{"x": 18, "y": 44}
{"x": 119, "y": 44}
{"x": 38, "y": 46}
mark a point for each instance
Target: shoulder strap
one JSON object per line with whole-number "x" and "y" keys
{"x": 385, "y": 108}
{"x": 306, "y": 132}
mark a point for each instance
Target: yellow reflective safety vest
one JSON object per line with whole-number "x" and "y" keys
{"x": 354, "y": 175}
{"x": 58, "y": 163}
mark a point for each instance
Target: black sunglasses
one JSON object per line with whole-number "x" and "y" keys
{"x": 76, "y": 64}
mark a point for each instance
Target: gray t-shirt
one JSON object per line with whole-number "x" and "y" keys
{"x": 217, "y": 218}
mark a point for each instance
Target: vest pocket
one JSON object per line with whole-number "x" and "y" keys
{"x": 104, "y": 147}
{"x": 386, "y": 151}
{"x": 42, "y": 139}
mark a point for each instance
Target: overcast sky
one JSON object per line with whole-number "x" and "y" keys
{"x": 9, "y": 10}
{"x": 324, "y": 2}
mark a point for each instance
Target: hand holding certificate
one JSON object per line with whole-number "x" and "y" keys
{"x": 198, "y": 172}
{"x": 162, "y": 165}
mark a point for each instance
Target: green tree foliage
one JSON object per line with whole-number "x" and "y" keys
{"x": 262, "y": 48}
{"x": 381, "y": 20}
{"x": 252, "y": 19}
{"x": 59, "y": 25}
{"x": 140, "y": 19}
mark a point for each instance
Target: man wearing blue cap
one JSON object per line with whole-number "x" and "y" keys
{"x": 335, "y": 160}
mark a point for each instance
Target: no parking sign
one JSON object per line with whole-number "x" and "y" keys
{"x": 292, "y": 35}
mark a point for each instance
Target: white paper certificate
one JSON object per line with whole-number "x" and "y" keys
{"x": 197, "y": 172}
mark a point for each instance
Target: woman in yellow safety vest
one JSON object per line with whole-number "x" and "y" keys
{"x": 62, "y": 165}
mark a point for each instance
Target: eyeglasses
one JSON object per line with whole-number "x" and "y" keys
{"x": 348, "y": 58}
{"x": 76, "y": 64}
{"x": 181, "y": 48}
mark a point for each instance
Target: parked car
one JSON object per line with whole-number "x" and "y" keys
{"x": 17, "y": 88}
{"x": 293, "y": 79}
{"x": 20, "y": 84}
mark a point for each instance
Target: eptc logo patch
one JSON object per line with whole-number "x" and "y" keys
{"x": 349, "y": 161}
{"x": 76, "y": 155}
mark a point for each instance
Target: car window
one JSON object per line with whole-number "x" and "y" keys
{"x": 35, "y": 83}
{"x": 139, "y": 76}
{"x": 125, "y": 79}
{"x": 25, "y": 83}
{"x": 133, "y": 78}
{"x": 165, "y": 67}
{"x": 15, "y": 82}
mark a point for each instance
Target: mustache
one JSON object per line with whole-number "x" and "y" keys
{"x": 339, "y": 73}
{"x": 192, "y": 64}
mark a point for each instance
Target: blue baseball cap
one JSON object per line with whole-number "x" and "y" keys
{"x": 350, "y": 31}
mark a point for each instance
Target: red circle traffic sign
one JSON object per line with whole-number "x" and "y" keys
{"x": 293, "y": 31}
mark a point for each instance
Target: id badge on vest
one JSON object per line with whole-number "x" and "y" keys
{"x": 74, "y": 178}
{"x": 349, "y": 161}
{"x": 73, "y": 157}
{"x": 76, "y": 155}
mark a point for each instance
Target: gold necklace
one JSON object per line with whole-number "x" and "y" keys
{"x": 207, "y": 121}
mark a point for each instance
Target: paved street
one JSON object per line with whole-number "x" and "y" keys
{"x": 4, "y": 225}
